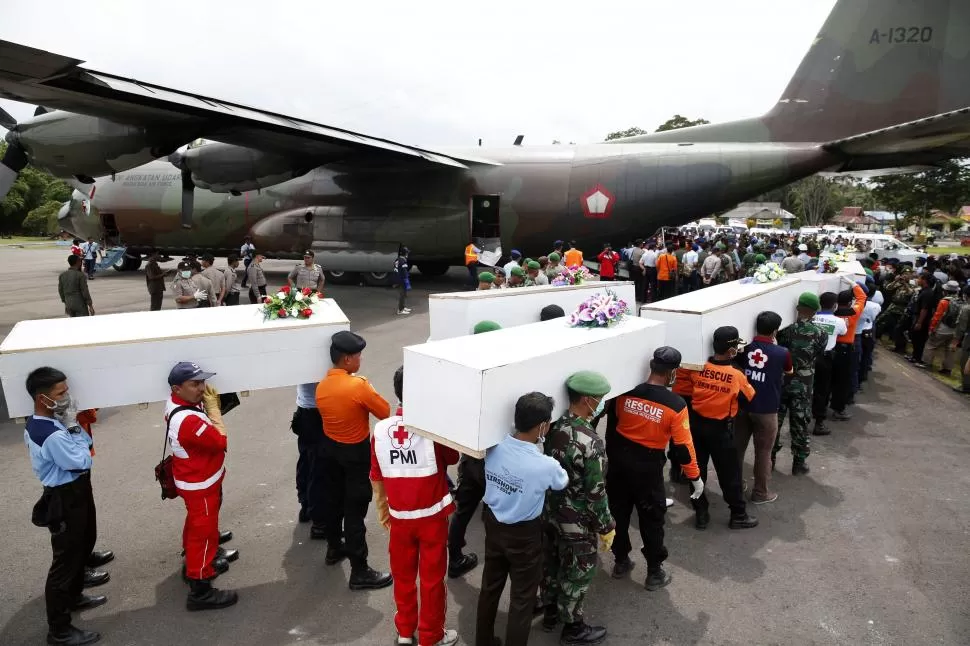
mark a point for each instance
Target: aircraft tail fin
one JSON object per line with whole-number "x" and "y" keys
{"x": 875, "y": 64}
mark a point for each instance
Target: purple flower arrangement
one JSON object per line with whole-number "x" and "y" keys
{"x": 599, "y": 310}
{"x": 571, "y": 276}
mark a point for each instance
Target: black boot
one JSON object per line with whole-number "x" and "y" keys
{"x": 461, "y": 565}
{"x": 550, "y": 617}
{"x": 820, "y": 428}
{"x": 622, "y": 567}
{"x": 657, "y": 578}
{"x": 304, "y": 515}
{"x": 318, "y": 532}
{"x": 224, "y": 537}
{"x": 702, "y": 519}
{"x": 229, "y": 555}
{"x": 742, "y": 521}
{"x": 220, "y": 565}
{"x": 366, "y": 578}
{"x": 88, "y": 601}
{"x": 97, "y": 559}
{"x": 94, "y": 578}
{"x": 799, "y": 468}
{"x": 580, "y": 633}
{"x": 202, "y": 596}
{"x": 72, "y": 636}
{"x": 336, "y": 552}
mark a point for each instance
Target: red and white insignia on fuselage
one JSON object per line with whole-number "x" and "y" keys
{"x": 597, "y": 202}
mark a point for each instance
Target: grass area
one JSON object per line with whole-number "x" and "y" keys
{"x": 25, "y": 239}
{"x": 954, "y": 380}
{"x": 937, "y": 251}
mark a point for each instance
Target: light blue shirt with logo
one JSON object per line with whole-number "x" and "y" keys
{"x": 517, "y": 476}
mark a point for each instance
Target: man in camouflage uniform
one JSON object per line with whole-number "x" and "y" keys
{"x": 806, "y": 342}
{"x": 898, "y": 293}
{"x": 577, "y": 514}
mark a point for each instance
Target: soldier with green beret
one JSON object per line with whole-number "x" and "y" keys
{"x": 554, "y": 266}
{"x": 486, "y": 326}
{"x": 517, "y": 277}
{"x": 578, "y": 514}
{"x": 485, "y": 280}
{"x": 806, "y": 341}
{"x": 533, "y": 274}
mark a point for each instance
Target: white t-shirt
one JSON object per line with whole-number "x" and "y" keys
{"x": 649, "y": 258}
{"x": 833, "y": 325}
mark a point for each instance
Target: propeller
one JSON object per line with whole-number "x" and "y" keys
{"x": 188, "y": 189}
{"x": 15, "y": 159}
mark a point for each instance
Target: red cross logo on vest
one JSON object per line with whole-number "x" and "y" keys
{"x": 757, "y": 358}
{"x": 400, "y": 438}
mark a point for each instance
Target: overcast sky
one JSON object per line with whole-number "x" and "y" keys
{"x": 444, "y": 72}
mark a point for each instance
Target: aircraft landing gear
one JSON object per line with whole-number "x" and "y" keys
{"x": 377, "y": 278}
{"x": 338, "y": 277}
{"x": 128, "y": 262}
{"x": 433, "y": 269}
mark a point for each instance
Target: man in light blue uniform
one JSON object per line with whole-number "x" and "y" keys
{"x": 517, "y": 476}
{"x": 308, "y": 428}
{"x": 61, "y": 458}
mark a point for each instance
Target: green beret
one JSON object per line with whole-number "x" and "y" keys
{"x": 532, "y": 264}
{"x": 720, "y": 246}
{"x": 868, "y": 272}
{"x": 554, "y": 257}
{"x": 486, "y": 326}
{"x": 486, "y": 277}
{"x": 587, "y": 382}
{"x": 518, "y": 271}
{"x": 527, "y": 261}
{"x": 809, "y": 300}
{"x": 760, "y": 258}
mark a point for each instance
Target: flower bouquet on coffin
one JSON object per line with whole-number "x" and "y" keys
{"x": 827, "y": 265}
{"x": 599, "y": 310}
{"x": 571, "y": 276}
{"x": 766, "y": 273}
{"x": 290, "y": 303}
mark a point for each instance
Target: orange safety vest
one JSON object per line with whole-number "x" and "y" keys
{"x": 574, "y": 258}
{"x": 470, "y": 255}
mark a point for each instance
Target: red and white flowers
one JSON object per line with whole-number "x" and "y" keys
{"x": 290, "y": 303}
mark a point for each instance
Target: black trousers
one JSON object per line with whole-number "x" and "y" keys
{"x": 822, "y": 387}
{"x": 246, "y": 263}
{"x": 842, "y": 363}
{"x": 348, "y": 493}
{"x": 470, "y": 491}
{"x": 472, "y": 273}
{"x": 514, "y": 553}
{"x": 650, "y": 283}
{"x": 255, "y": 292}
{"x": 919, "y": 338}
{"x": 156, "y": 300}
{"x": 714, "y": 441}
{"x": 636, "y": 275}
{"x": 402, "y": 297}
{"x": 666, "y": 289}
{"x": 868, "y": 348}
{"x": 635, "y": 480}
{"x": 308, "y": 427}
{"x": 71, "y": 547}
{"x": 232, "y": 298}
{"x": 903, "y": 325}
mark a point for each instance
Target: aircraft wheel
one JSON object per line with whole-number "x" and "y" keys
{"x": 377, "y": 278}
{"x": 128, "y": 263}
{"x": 433, "y": 269}
{"x": 338, "y": 277}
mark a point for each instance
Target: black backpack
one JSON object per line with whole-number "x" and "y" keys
{"x": 952, "y": 314}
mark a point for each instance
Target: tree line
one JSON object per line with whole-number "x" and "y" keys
{"x": 32, "y": 204}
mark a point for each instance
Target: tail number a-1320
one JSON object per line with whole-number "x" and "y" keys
{"x": 895, "y": 35}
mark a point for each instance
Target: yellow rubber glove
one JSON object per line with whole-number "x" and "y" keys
{"x": 380, "y": 502}
{"x": 606, "y": 540}
{"x": 210, "y": 402}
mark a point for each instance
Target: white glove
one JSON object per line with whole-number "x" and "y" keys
{"x": 698, "y": 488}
{"x": 201, "y": 295}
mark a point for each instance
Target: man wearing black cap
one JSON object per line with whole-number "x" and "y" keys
{"x": 715, "y": 403}
{"x": 346, "y": 402}
{"x": 307, "y": 275}
{"x": 198, "y": 445}
{"x": 640, "y": 424}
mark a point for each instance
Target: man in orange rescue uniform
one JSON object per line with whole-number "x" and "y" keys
{"x": 346, "y": 402}
{"x": 715, "y": 403}
{"x": 640, "y": 424}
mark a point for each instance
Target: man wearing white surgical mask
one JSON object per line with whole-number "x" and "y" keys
{"x": 61, "y": 459}
{"x": 186, "y": 291}
{"x": 578, "y": 517}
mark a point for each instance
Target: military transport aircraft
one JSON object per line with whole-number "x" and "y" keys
{"x": 884, "y": 84}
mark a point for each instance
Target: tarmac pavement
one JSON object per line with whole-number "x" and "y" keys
{"x": 870, "y": 548}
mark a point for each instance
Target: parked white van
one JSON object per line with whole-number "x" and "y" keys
{"x": 885, "y": 246}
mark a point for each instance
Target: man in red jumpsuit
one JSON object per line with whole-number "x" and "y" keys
{"x": 409, "y": 477}
{"x": 198, "y": 464}
{"x": 608, "y": 262}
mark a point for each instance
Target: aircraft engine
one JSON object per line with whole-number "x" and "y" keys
{"x": 225, "y": 168}
{"x": 81, "y": 146}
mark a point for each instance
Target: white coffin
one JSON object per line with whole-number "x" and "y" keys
{"x": 457, "y": 314}
{"x": 692, "y": 318}
{"x": 122, "y": 359}
{"x": 821, "y": 283}
{"x": 462, "y": 391}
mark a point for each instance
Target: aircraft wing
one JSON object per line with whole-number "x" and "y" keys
{"x": 42, "y": 78}
{"x": 916, "y": 143}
